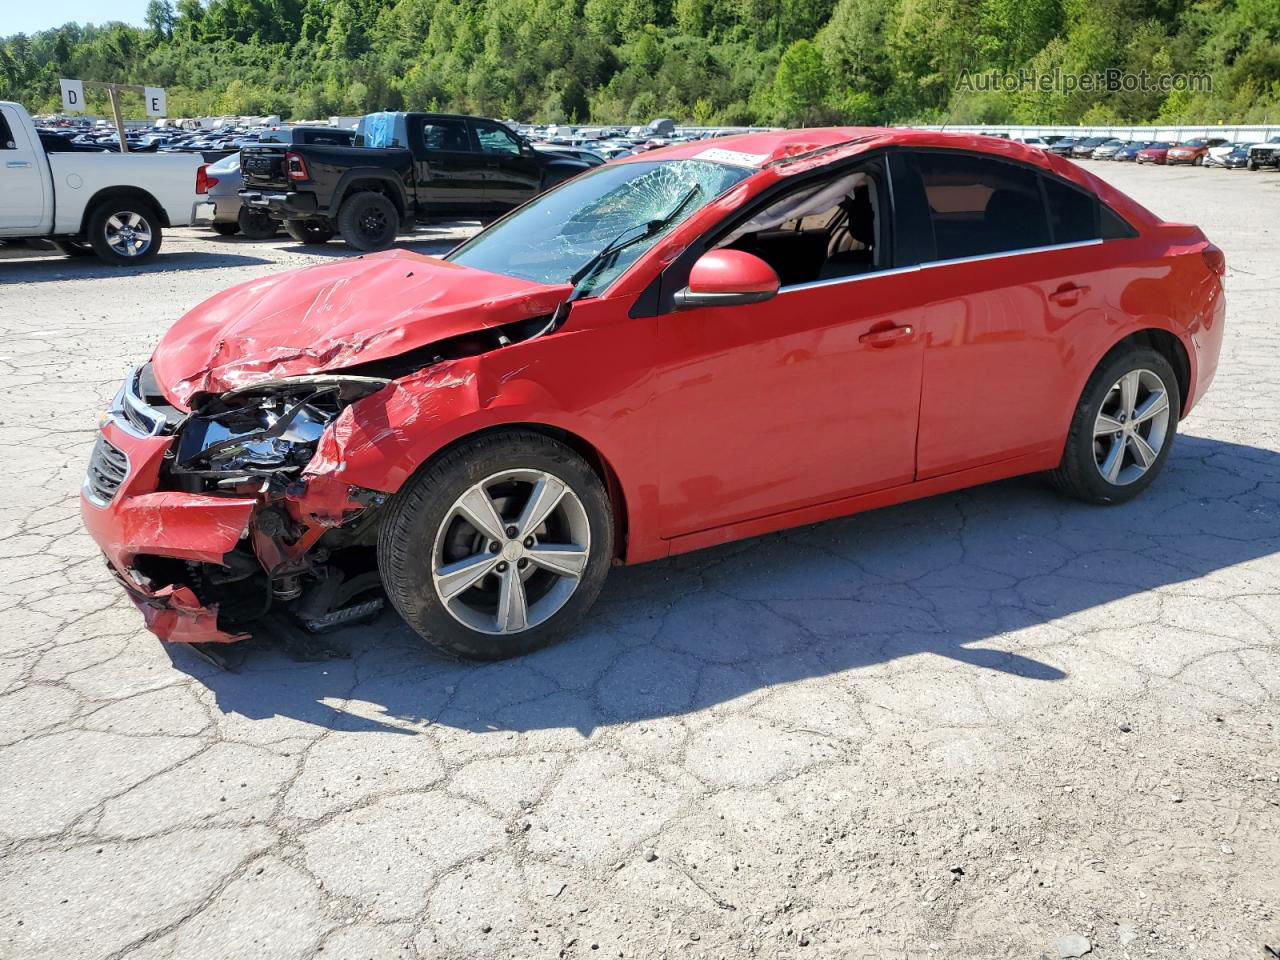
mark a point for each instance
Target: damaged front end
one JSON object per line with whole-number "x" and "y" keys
{"x": 207, "y": 520}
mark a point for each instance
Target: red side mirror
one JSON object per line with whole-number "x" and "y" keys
{"x": 723, "y": 278}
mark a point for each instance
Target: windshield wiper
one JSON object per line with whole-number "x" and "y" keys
{"x": 631, "y": 236}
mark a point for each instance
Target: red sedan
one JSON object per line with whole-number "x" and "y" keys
{"x": 1155, "y": 153}
{"x": 668, "y": 352}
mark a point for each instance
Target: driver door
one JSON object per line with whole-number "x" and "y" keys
{"x": 810, "y": 397}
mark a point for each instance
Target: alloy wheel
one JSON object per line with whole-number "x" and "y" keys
{"x": 1131, "y": 427}
{"x": 511, "y": 551}
{"x": 128, "y": 233}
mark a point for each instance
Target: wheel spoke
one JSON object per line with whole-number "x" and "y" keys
{"x": 480, "y": 512}
{"x": 114, "y": 222}
{"x": 1129, "y": 393}
{"x": 461, "y": 575}
{"x": 512, "y": 613}
{"x": 1111, "y": 465}
{"x": 547, "y": 493}
{"x": 567, "y": 560}
{"x": 1106, "y": 425}
{"x": 1143, "y": 453}
{"x": 1155, "y": 404}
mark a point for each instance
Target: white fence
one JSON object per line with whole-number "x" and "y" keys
{"x": 1236, "y": 134}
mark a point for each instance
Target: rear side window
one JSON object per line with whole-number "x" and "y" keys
{"x": 978, "y": 206}
{"x": 6, "y": 137}
{"x": 447, "y": 135}
{"x": 1073, "y": 214}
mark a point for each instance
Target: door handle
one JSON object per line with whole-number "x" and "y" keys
{"x": 888, "y": 336}
{"x": 1068, "y": 294}
{"x": 17, "y": 164}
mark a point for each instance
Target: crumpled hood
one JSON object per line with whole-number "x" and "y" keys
{"x": 336, "y": 315}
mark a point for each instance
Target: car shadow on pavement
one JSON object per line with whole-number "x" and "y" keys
{"x": 337, "y": 249}
{"x": 1009, "y": 578}
{"x": 40, "y": 266}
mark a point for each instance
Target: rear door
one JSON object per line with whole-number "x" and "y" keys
{"x": 24, "y": 203}
{"x": 1011, "y": 294}
{"x": 512, "y": 171}
{"x": 448, "y": 169}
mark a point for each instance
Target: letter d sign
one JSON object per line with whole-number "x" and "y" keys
{"x": 153, "y": 98}
{"x": 72, "y": 96}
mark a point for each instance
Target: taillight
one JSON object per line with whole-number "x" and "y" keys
{"x": 295, "y": 168}
{"x": 1215, "y": 259}
{"x": 203, "y": 183}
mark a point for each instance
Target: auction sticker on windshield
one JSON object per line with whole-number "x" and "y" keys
{"x": 720, "y": 155}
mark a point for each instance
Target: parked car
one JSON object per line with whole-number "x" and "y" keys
{"x": 434, "y": 166}
{"x": 590, "y": 157}
{"x": 1234, "y": 159}
{"x": 230, "y": 215}
{"x": 111, "y": 204}
{"x": 1129, "y": 152}
{"x": 1216, "y": 154}
{"x": 1157, "y": 152}
{"x": 1039, "y": 142}
{"x": 1083, "y": 150}
{"x": 1063, "y": 147}
{"x": 1192, "y": 151}
{"x": 597, "y": 379}
{"x": 1108, "y": 149}
{"x": 1265, "y": 154}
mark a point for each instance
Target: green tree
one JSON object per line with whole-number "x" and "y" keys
{"x": 801, "y": 84}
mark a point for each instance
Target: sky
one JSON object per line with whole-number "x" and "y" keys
{"x": 22, "y": 16}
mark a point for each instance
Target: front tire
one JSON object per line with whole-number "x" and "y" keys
{"x": 124, "y": 233}
{"x": 309, "y": 231}
{"x": 368, "y": 221}
{"x": 1122, "y": 429}
{"x": 499, "y": 547}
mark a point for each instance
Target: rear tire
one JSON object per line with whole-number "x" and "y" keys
{"x": 1122, "y": 431}
{"x": 124, "y": 233}
{"x": 74, "y": 248}
{"x": 426, "y": 539}
{"x": 309, "y": 231}
{"x": 368, "y": 221}
{"x": 226, "y": 229}
{"x": 255, "y": 224}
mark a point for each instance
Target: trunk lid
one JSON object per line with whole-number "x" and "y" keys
{"x": 263, "y": 166}
{"x": 337, "y": 315}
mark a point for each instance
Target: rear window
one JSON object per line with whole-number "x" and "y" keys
{"x": 1073, "y": 214}
{"x": 447, "y": 135}
{"x": 978, "y": 206}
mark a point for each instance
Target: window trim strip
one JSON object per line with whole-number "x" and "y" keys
{"x": 813, "y": 284}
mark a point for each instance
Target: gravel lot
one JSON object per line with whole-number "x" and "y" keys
{"x": 967, "y": 727}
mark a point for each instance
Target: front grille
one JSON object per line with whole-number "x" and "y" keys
{"x": 108, "y": 466}
{"x": 139, "y": 407}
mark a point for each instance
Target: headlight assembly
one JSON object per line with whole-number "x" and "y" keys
{"x": 265, "y": 429}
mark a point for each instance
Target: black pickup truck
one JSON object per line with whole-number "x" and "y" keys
{"x": 436, "y": 166}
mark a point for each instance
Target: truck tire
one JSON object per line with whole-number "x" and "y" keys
{"x": 368, "y": 221}
{"x": 256, "y": 225}
{"x": 309, "y": 231}
{"x": 73, "y": 248}
{"x": 124, "y": 233}
{"x": 226, "y": 229}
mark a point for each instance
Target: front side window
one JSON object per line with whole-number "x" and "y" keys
{"x": 559, "y": 235}
{"x": 979, "y": 206}
{"x": 6, "y": 138}
{"x": 449, "y": 136}
{"x": 494, "y": 139}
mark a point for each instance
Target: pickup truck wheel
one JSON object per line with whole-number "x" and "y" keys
{"x": 73, "y": 248}
{"x": 256, "y": 225}
{"x": 368, "y": 221}
{"x": 124, "y": 232}
{"x": 309, "y": 231}
{"x": 226, "y": 229}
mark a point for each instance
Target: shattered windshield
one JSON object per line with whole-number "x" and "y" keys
{"x": 556, "y": 235}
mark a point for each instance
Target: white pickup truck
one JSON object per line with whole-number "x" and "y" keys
{"x": 111, "y": 204}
